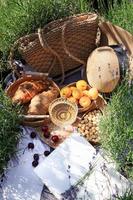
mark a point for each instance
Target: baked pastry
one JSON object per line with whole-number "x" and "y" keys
{"x": 40, "y": 103}
{"x": 27, "y": 90}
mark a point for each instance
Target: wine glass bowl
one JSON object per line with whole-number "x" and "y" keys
{"x": 63, "y": 112}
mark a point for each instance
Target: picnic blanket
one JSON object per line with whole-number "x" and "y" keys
{"x": 21, "y": 182}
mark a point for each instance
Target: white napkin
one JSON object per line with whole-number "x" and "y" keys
{"x": 21, "y": 182}
{"x": 70, "y": 162}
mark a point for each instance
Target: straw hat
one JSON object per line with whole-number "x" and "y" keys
{"x": 103, "y": 70}
{"x": 112, "y": 35}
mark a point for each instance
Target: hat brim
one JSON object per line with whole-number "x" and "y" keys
{"x": 112, "y": 35}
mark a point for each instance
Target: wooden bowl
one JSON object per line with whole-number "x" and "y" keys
{"x": 99, "y": 103}
{"x": 10, "y": 91}
{"x": 14, "y": 86}
{"x": 88, "y": 127}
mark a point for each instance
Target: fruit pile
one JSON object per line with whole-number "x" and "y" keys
{"x": 47, "y": 135}
{"x": 88, "y": 126}
{"x": 80, "y": 93}
{"x": 53, "y": 136}
{"x": 31, "y": 146}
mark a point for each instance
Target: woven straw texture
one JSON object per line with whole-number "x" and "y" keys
{"x": 61, "y": 45}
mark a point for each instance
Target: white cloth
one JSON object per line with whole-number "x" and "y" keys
{"x": 21, "y": 182}
{"x": 73, "y": 159}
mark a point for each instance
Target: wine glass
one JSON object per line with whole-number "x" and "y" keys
{"x": 63, "y": 112}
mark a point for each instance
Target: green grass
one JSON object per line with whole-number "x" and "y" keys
{"x": 122, "y": 15}
{"x": 9, "y": 130}
{"x": 127, "y": 196}
{"x": 21, "y": 17}
{"x": 116, "y": 128}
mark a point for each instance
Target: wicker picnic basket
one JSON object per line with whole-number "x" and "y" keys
{"x": 60, "y": 46}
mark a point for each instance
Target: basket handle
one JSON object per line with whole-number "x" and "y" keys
{"x": 35, "y": 73}
{"x": 65, "y": 46}
{"x": 43, "y": 41}
{"x": 14, "y": 65}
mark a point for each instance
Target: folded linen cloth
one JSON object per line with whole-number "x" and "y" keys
{"x": 75, "y": 159}
{"x": 21, "y": 182}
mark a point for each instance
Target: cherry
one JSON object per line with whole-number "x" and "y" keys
{"x": 36, "y": 156}
{"x": 46, "y": 134}
{"x": 30, "y": 145}
{"x": 45, "y": 128}
{"x": 33, "y": 134}
{"x": 46, "y": 153}
{"x": 35, "y": 163}
{"x": 55, "y": 138}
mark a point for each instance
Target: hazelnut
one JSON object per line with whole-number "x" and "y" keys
{"x": 82, "y": 128}
{"x": 79, "y": 125}
{"x": 90, "y": 124}
{"x": 85, "y": 117}
{"x": 87, "y": 127}
{"x": 86, "y": 121}
{"x": 86, "y": 132}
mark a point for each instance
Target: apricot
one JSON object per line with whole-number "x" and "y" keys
{"x": 86, "y": 93}
{"x": 81, "y": 85}
{"x": 93, "y": 93}
{"x": 72, "y": 88}
{"x": 73, "y": 100}
{"x": 65, "y": 92}
{"x": 85, "y": 101}
{"x": 77, "y": 94}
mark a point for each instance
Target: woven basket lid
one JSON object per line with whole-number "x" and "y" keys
{"x": 103, "y": 69}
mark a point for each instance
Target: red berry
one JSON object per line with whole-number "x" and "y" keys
{"x": 46, "y": 134}
{"x": 35, "y": 163}
{"x": 36, "y": 156}
{"x": 33, "y": 135}
{"x": 46, "y": 153}
{"x": 30, "y": 145}
{"x": 45, "y": 128}
{"x": 55, "y": 138}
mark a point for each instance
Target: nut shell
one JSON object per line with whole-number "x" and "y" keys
{"x": 88, "y": 126}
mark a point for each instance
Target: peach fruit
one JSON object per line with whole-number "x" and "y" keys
{"x": 85, "y": 101}
{"x": 81, "y": 85}
{"x": 73, "y": 100}
{"x": 86, "y": 93}
{"x": 93, "y": 93}
{"x": 65, "y": 92}
{"x": 72, "y": 88}
{"x": 77, "y": 94}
